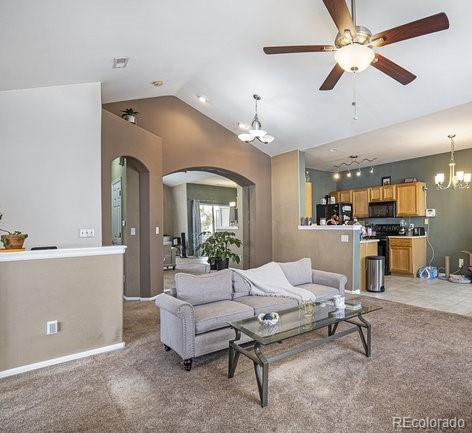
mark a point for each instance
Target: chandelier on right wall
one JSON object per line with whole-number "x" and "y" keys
{"x": 457, "y": 180}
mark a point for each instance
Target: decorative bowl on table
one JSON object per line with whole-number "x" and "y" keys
{"x": 268, "y": 318}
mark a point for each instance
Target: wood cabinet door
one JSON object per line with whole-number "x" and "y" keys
{"x": 407, "y": 199}
{"x": 308, "y": 200}
{"x": 360, "y": 203}
{"x": 335, "y": 194}
{"x": 388, "y": 193}
{"x": 400, "y": 259}
{"x": 375, "y": 193}
{"x": 345, "y": 196}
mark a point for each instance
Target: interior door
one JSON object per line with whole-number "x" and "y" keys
{"x": 116, "y": 212}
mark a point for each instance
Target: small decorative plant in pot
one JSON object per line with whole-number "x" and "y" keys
{"x": 217, "y": 249}
{"x": 12, "y": 240}
{"x": 130, "y": 115}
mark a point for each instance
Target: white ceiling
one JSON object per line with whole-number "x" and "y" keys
{"x": 198, "y": 177}
{"x": 214, "y": 47}
{"x": 424, "y": 136}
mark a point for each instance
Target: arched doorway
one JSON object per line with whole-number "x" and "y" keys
{"x": 199, "y": 201}
{"x": 130, "y": 221}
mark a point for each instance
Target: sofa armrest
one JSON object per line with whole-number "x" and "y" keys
{"x": 338, "y": 281}
{"x": 177, "y": 325}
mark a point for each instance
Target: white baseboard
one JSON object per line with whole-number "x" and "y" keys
{"x": 137, "y": 298}
{"x": 60, "y": 360}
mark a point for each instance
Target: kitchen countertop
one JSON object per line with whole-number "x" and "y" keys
{"x": 338, "y": 227}
{"x": 406, "y": 237}
{"x": 368, "y": 241}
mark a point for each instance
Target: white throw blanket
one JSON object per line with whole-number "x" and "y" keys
{"x": 270, "y": 280}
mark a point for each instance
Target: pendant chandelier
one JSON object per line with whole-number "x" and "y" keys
{"x": 256, "y": 131}
{"x": 457, "y": 180}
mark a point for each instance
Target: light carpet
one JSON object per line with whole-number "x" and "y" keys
{"x": 421, "y": 367}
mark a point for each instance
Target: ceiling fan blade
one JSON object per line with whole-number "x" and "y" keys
{"x": 340, "y": 15}
{"x": 424, "y": 26}
{"x": 393, "y": 70}
{"x": 299, "y": 49}
{"x": 332, "y": 78}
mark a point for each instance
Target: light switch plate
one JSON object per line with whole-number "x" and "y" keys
{"x": 157, "y": 230}
{"x": 51, "y": 327}
{"x": 344, "y": 238}
{"x": 87, "y": 233}
{"x": 133, "y": 231}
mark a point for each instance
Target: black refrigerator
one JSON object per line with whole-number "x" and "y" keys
{"x": 327, "y": 211}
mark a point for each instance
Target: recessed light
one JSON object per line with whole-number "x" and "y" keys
{"x": 203, "y": 99}
{"x": 120, "y": 62}
{"x": 243, "y": 126}
{"x": 157, "y": 83}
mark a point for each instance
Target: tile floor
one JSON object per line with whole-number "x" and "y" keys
{"x": 435, "y": 294}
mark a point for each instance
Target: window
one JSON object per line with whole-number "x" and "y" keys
{"x": 214, "y": 217}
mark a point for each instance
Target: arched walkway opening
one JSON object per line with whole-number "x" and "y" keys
{"x": 199, "y": 201}
{"x": 130, "y": 222}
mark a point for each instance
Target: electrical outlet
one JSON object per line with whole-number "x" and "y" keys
{"x": 86, "y": 233}
{"x": 344, "y": 238}
{"x": 426, "y": 221}
{"x": 461, "y": 263}
{"x": 51, "y": 327}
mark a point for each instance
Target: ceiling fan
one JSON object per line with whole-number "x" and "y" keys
{"x": 353, "y": 44}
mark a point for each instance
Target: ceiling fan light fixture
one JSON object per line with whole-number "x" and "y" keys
{"x": 354, "y": 57}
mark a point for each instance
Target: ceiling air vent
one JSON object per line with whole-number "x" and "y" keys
{"x": 120, "y": 62}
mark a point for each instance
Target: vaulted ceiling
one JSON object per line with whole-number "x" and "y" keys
{"x": 214, "y": 48}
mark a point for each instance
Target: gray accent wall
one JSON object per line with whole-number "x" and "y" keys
{"x": 322, "y": 184}
{"x": 450, "y": 231}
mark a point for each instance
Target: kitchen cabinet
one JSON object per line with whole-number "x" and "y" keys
{"x": 368, "y": 248}
{"x": 389, "y": 193}
{"x": 360, "y": 203}
{"x": 375, "y": 193}
{"x": 382, "y": 193}
{"x": 407, "y": 254}
{"x": 411, "y": 199}
{"x": 308, "y": 200}
{"x": 344, "y": 196}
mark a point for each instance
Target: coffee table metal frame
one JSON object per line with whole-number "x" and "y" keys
{"x": 253, "y": 349}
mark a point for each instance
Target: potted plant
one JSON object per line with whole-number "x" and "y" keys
{"x": 130, "y": 115}
{"x": 217, "y": 249}
{"x": 12, "y": 240}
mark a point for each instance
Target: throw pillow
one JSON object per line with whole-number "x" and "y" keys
{"x": 298, "y": 272}
{"x": 203, "y": 289}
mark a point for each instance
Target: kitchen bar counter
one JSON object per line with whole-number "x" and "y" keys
{"x": 369, "y": 241}
{"x": 406, "y": 237}
{"x": 331, "y": 228}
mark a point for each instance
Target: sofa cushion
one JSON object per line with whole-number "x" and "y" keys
{"x": 240, "y": 286}
{"x": 217, "y": 315}
{"x": 321, "y": 292}
{"x": 297, "y": 272}
{"x": 202, "y": 289}
{"x": 267, "y": 304}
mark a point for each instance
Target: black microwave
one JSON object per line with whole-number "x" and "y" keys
{"x": 385, "y": 209}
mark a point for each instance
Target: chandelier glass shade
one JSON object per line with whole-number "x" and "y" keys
{"x": 256, "y": 131}
{"x": 354, "y": 57}
{"x": 457, "y": 180}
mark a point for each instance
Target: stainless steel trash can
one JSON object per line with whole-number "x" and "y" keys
{"x": 374, "y": 268}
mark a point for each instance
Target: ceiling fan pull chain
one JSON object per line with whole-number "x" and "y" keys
{"x": 354, "y": 97}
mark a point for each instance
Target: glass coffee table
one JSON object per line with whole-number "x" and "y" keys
{"x": 292, "y": 323}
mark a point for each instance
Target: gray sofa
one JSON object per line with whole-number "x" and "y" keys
{"x": 194, "y": 321}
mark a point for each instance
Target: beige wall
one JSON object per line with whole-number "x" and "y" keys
{"x": 192, "y": 140}
{"x": 121, "y": 138}
{"x": 168, "y": 211}
{"x": 132, "y": 242}
{"x": 180, "y": 223}
{"x": 325, "y": 248}
{"x": 83, "y": 293}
